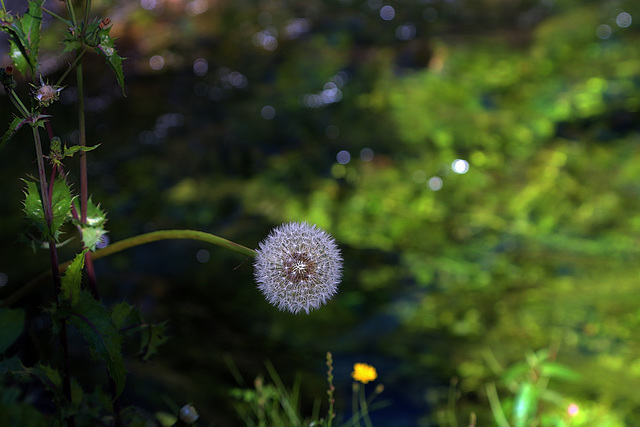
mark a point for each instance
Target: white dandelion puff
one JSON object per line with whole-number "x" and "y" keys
{"x": 298, "y": 267}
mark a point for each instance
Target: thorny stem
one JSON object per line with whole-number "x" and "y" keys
{"x": 131, "y": 242}
{"x": 84, "y": 181}
{"x": 46, "y": 202}
{"x": 84, "y": 197}
{"x": 46, "y": 199}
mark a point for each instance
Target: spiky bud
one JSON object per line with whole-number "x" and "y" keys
{"x": 46, "y": 94}
{"x": 298, "y": 267}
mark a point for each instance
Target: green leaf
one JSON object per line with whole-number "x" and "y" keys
{"x": 516, "y": 372}
{"x": 60, "y": 207}
{"x": 50, "y": 377}
{"x": 152, "y": 336}
{"x": 24, "y": 37}
{"x": 13, "y": 129}
{"x": 70, "y": 281}
{"x": 121, "y": 315}
{"x": 70, "y": 151}
{"x": 92, "y": 230}
{"x": 12, "y": 321}
{"x": 555, "y": 370}
{"x": 96, "y": 217}
{"x": 94, "y": 323}
{"x": 31, "y": 23}
{"x": 107, "y": 50}
{"x": 525, "y": 404}
{"x": 91, "y": 236}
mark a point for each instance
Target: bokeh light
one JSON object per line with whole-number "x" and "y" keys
{"x": 460, "y": 166}
{"x": 156, "y": 62}
{"x": 435, "y": 183}
{"x": 103, "y": 242}
{"x": 268, "y": 112}
{"x": 623, "y": 20}
{"x": 343, "y": 157}
{"x": 573, "y": 410}
{"x": 196, "y": 7}
{"x": 406, "y": 32}
{"x": 203, "y": 256}
{"x": 366, "y": 154}
{"x": 603, "y": 31}
{"x": 387, "y": 13}
{"x": 200, "y": 67}
{"x": 148, "y": 4}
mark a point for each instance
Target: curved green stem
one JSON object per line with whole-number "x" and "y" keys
{"x": 131, "y": 242}
{"x": 172, "y": 234}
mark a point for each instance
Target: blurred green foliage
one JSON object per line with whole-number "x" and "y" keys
{"x": 535, "y": 246}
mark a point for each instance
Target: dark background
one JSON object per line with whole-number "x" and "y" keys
{"x": 447, "y": 275}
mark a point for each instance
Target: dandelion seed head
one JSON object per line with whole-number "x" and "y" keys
{"x": 298, "y": 267}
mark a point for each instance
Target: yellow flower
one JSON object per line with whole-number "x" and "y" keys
{"x": 364, "y": 373}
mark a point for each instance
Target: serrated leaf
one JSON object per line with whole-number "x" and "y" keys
{"x": 122, "y": 314}
{"x": 71, "y": 43}
{"x": 24, "y": 41}
{"x": 152, "y": 336}
{"x": 50, "y": 377}
{"x": 92, "y": 230}
{"x": 94, "y": 323}
{"x": 31, "y": 24}
{"x": 14, "y": 126}
{"x": 60, "y": 204}
{"x": 107, "y": 50}
{"x": 70, "y": 281}
{"x": 70, "y": 151}
{"x": 12, "y": 321}
{"x": 96, "y": 217}
{"x": 60, "y": 207}
{"x": 91, "y": 236}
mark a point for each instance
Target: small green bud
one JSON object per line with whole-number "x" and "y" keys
{"x": 56, "y": 145}
{"x": 6, "y": 78}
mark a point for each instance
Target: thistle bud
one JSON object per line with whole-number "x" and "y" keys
{"x": 46, "y": 94}
{"x": 188, "y": 414}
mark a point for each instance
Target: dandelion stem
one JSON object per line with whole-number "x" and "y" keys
{"x": 130, "y": 243}
{"x": 172, "y": 234}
